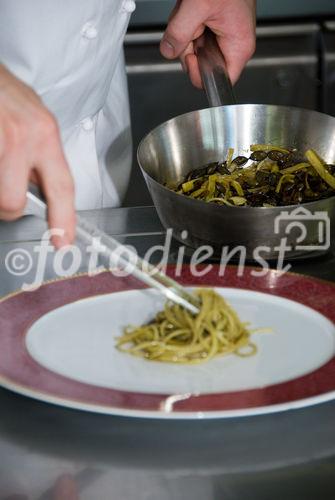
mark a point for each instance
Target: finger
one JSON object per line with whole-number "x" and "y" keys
{"x": 58, "y": 188}
{"x": 236, "y": 37}
{"x": 237, "y": 54}
{"x": 193, "y": 70}
{"x": 65, "y": 489}
{"x": 13, "y": 186}
{"x": 188, "y": 51}
{"x": 184, "y": 26}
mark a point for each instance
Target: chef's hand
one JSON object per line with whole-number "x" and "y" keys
{"x": 233, "y": 22}
{"x": 30, "y": 149}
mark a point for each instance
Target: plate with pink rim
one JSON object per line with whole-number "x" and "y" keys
{"x": 57, "y": 344}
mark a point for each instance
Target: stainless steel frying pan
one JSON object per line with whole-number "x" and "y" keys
{"x": 195, "y": 139}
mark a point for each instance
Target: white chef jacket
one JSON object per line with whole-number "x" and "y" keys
{"x": 71, "y": 53}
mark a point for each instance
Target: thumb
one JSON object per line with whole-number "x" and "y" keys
{"x": 185, "y": 25}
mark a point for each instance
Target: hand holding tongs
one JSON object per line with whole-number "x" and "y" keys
{"x": 112, "y": 249}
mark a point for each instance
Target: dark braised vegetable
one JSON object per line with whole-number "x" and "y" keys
{"x": 258, "y": 155}
{"x": 240, "y": 161}
{"x": 274, "y": 177}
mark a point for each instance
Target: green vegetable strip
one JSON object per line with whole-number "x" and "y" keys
{"x": 237, "y": 186}
{"x": 238, "y": 200}
{"x": 295, "y": 168}
{"x": 230, "y": 156}
{"x": 188, "y": 186}
{"x": 285, "y": 178}
{"x": 320, "y": 167}
{"x": 267, "y": 147}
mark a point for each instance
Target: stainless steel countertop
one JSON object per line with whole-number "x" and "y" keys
{"x": 286, "y": 455}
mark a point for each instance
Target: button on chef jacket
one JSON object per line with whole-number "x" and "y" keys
{"x": 71, "y": 53}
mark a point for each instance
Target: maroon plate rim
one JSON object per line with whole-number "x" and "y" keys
{"x": 21, "y": 373}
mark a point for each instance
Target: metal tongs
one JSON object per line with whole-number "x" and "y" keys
{"x": 112, "y": 250}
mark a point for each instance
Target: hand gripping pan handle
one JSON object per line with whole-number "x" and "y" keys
{"x": 213, "y": 70}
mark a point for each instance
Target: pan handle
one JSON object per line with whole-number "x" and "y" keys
{"x": 213, "y": 70}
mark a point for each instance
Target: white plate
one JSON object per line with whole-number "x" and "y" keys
{"x": 78, "y": 342}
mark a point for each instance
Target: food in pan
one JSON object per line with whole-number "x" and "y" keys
{"x": 270, "y": 176}
{"x": 178, "y": 336}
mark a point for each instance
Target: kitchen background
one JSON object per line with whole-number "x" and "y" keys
{"x": 294, "y": 65}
